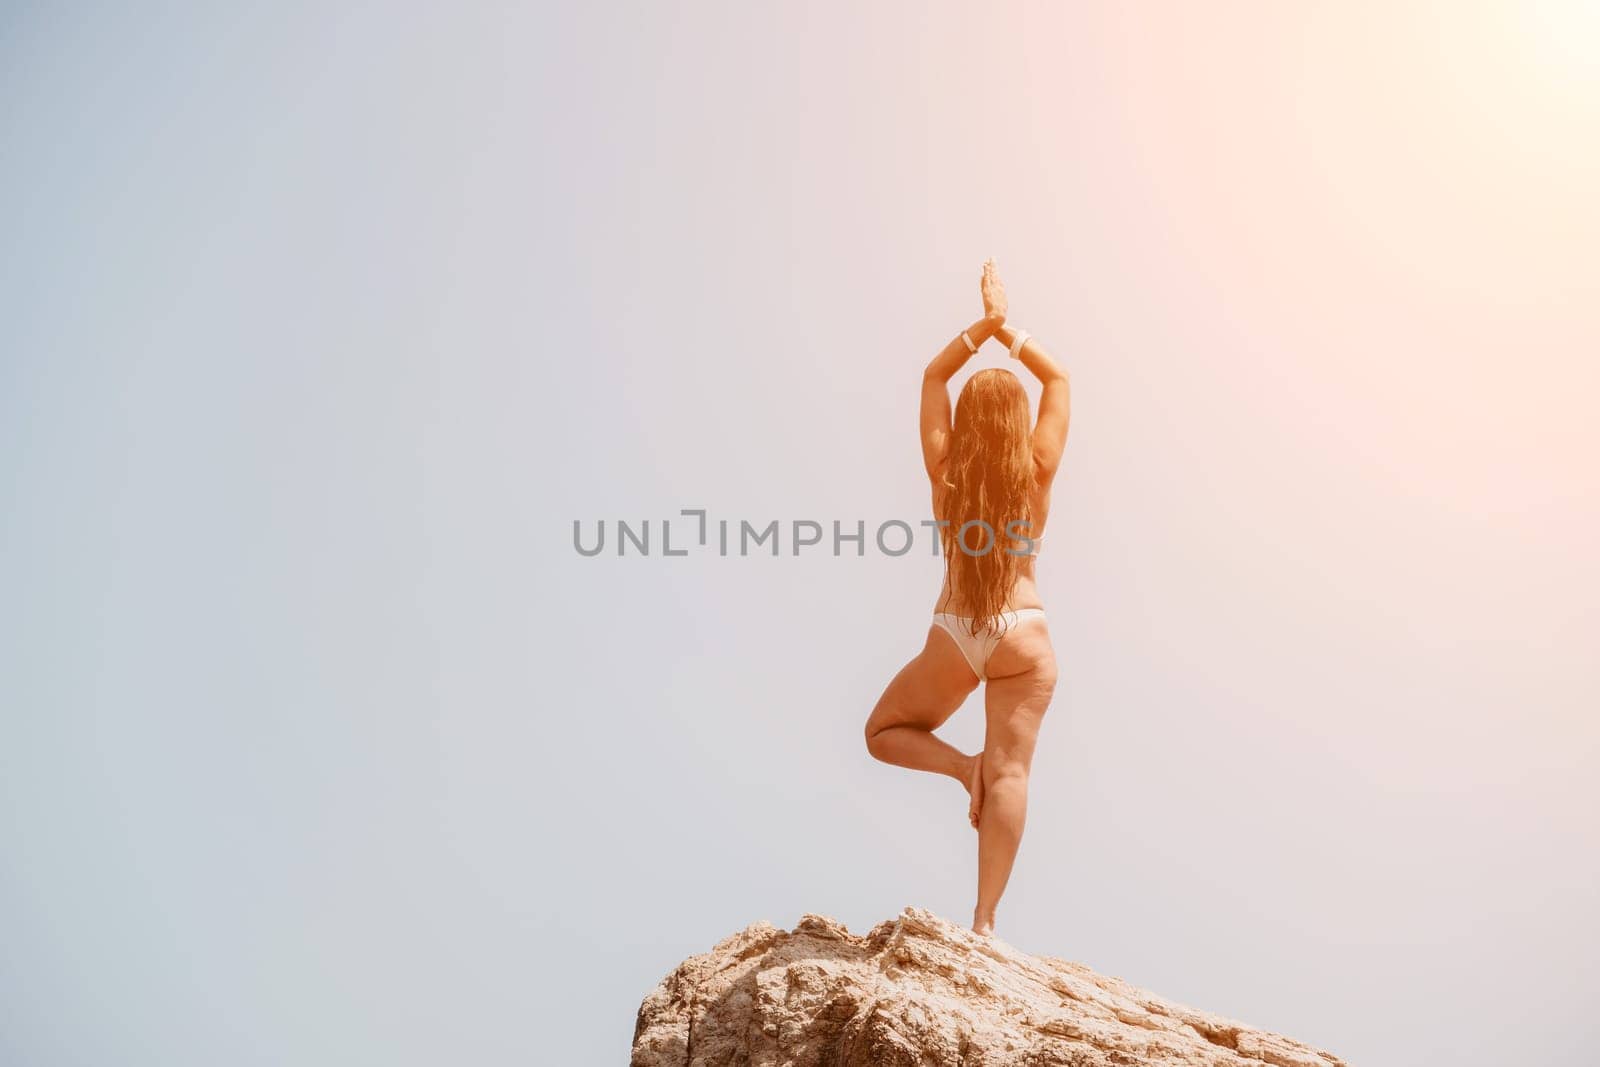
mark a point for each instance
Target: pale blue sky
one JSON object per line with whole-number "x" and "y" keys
{"x": 320, "y": 325}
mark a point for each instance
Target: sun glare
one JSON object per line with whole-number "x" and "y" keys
{"x": 1565, "y": 38}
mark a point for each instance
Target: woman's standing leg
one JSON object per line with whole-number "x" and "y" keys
{"x": 1022, "y": 679}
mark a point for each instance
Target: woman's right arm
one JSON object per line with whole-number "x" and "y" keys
{"x": 1055, "y": 404}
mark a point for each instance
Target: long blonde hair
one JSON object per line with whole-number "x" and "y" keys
{"x": 988, "y": 479}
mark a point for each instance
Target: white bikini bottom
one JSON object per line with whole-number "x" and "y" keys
{"x": 978, "y": 649}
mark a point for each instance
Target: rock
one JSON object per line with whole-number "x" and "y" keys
{"x": 922, "y": 992}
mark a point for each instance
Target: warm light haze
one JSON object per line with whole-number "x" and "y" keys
{"x": 320, "y": 326}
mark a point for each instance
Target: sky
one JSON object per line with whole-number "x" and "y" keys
{"x": 322, "y": 325}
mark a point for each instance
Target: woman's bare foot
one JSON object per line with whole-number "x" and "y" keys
{"x": 983, "y": 924}
{"x": 975, "y": 790}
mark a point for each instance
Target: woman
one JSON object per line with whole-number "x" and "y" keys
{"x": 991, "y": 481}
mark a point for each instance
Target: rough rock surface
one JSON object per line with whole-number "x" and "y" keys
{"x": 919, "y": 991}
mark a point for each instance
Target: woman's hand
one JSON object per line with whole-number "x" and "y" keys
{"x": 994, "y": 293}
{"x": 964, "y": 345}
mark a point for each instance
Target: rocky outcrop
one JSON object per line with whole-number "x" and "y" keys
{"x": 922, "y": 992}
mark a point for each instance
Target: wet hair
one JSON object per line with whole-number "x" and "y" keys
{"x": 987, "y": 486}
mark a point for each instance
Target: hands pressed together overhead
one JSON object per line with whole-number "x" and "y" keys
{"x": 966, "y": 344}
{"x": 994, "y": 294}
{"x": 1050, "y": 428}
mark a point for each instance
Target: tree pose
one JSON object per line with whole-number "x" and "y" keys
{"x": 991, "y": 475}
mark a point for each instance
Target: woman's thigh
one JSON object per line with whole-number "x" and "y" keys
{"x": 1022, "y": 681}
{"x": 928, "y": 689}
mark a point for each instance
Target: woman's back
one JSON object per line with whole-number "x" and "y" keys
{"x": 1023, "y": 591}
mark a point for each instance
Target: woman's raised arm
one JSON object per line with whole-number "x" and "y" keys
{"x": 951, "y": 358}
{"x": 936, "y": 414}
{"x": 1055, "y": 403}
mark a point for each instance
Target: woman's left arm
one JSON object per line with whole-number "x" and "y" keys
{"x": 954, "y": 356}
{"x": 936, "y": 390}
